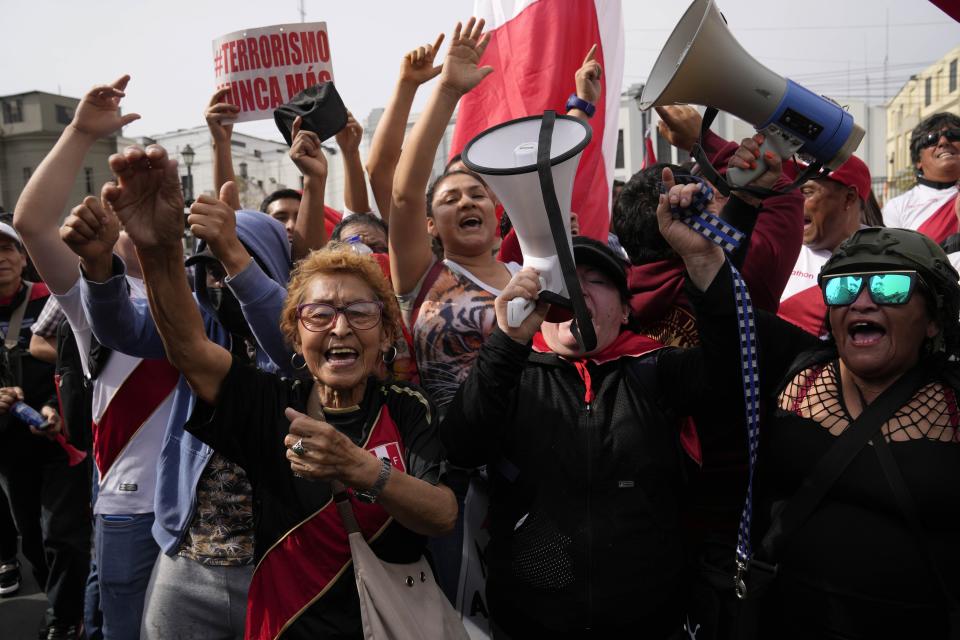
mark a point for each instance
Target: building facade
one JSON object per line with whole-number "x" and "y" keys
{"x": 30, "y": 124}
{"x": 933, "y": 90}
{"x": 261, "y": 166}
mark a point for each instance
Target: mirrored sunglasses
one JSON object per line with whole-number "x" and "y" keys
{"x": 887, "y": 288}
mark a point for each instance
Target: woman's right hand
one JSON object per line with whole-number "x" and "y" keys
{"x": 460, "y": 71}
{"x": 524, "y": 284}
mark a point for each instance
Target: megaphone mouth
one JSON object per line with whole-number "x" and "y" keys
{"x": 474, "y": 164}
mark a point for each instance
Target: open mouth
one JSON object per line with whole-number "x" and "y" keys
{"x": 341, "y": 356}
{"x": 471, "y": 222}
{"x": 865, "y": 333}
{"x": 946, "y": 153}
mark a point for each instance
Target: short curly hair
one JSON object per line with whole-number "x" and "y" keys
{"x": 338, "y": 259}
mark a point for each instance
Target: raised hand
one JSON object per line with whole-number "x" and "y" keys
{"x": 587, "y": 78}
{"x": 417, "y": 66}
{"x": 701, "y": 257}
{"x": 306, "y": 152}
{"x": 746, "y": 156}
{"x": 215, "y": 222}
{"x": 147, "y": 197}
{"x": 220, "y": 115}
{"x": 348, "y": 138}
{"x": 460, "y": 71}
{"x": 680, "y": 125}
{"x": 98, "y": 114}
{"x": 91, "y": 230}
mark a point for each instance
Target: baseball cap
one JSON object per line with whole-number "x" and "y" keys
{"x": 587, "y": 251}
{"x": 854, "y": 174}
{"x": 10, "y": 232}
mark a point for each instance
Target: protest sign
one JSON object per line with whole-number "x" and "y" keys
{"x": 266, "y": 67}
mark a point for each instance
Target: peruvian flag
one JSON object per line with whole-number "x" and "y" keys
{"x": 649, "y": 156}
{"x": 536, "y": 47}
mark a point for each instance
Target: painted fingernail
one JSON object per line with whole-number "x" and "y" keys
{"x": 768, "y": 155}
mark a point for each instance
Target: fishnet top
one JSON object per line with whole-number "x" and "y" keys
{"x": 931, "y": 414}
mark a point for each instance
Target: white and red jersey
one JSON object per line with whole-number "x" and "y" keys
{"x": 802, "y": 301}
{"x": 132, "y": 399}
{"x": 925, "y": 209}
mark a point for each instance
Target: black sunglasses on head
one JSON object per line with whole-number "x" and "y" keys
{"x": 932, "y": 138}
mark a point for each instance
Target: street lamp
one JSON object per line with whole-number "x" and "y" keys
{"x": 188, "y": 154}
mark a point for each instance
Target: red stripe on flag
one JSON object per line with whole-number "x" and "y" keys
{"x": 534, "y": 57}
{"x": 942, "y": 223}
{"x": 138, "y": 397}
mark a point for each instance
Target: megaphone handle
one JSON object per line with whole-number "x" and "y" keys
{"x": 517, "y": 311}
{"x": 773, "y": 141}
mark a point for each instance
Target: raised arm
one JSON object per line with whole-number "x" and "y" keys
{"x": 416, "y": 68}
{"x": 219, "y": 115}
{"x": 354, "y": 183}
{"x": 309, "y": 232}
{"x": 587, "y": 81}
{"x": 44, "y": 198}
{"x": 410, "y": 253}
{"x": 149, "y": 203}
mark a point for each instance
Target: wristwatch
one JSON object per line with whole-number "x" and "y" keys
{"x": 370, "y": 495}
{"x": 576, "y": 102}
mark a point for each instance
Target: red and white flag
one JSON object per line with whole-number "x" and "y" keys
{"x": 536, "y": 47}
{"x": 649, "y": 156}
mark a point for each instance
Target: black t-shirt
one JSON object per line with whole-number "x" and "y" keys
{"x": 248, "y": 426}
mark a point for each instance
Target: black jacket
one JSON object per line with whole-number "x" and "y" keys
{"x": 585, "y": 469}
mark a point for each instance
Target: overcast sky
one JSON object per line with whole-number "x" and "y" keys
{"x": 836, "y": 47}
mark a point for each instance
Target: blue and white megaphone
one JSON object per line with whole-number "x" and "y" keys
{"x": 702, "y": 63}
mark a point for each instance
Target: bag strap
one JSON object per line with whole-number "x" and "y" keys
{"x": 908, "y": 509}
{"x": 832, "y": 465}
{"x": 342, "y": 498}
{"x": 12, "y": 337}
{"x": 425, "y": 287}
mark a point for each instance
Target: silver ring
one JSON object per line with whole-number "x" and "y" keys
{"x": 298, "y": 449}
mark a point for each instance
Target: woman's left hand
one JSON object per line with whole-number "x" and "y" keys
{"x": 327, "y": 453}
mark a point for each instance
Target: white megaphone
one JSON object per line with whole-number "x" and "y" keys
{"x": 530, "y": 164}
{"x": 702, "y": 63}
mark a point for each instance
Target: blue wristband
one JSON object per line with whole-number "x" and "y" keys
{"x": 575, "y": 102}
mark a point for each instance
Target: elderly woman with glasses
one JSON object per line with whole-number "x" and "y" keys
{"x": 295, "y": 438}
{"x": 854, "y": 521}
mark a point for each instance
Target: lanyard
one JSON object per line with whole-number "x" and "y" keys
{"x": 729, "y": 239}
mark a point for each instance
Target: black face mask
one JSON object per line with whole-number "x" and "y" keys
{"x": 224, "y": 304}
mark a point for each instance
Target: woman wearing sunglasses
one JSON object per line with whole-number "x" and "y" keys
{"x": 873, "y": 553}
{"x": 295, "y": 437}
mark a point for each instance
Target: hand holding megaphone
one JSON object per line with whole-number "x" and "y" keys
{"x": 523, "y": 293}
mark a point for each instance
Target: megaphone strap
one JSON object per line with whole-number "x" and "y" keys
{"x": 730, "y": 238}
{"x": 582, "y": 326}
{"x": 812, "y": 171}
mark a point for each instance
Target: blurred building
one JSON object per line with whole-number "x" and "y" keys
{"x": 933, "y": 90}
{"x": 261, "y": 166}
{"x": 30, "y": 124}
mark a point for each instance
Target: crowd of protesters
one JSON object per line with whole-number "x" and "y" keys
{"x": 200, "y": 414}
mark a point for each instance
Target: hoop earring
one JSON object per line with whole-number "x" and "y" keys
{"x": 293, "y": 362}
{"x": 390, "y": 355}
